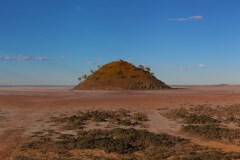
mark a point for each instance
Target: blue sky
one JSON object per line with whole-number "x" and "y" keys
{"x": 53, "y": 42}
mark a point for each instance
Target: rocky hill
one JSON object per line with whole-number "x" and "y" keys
{"x": 121, "y": 75}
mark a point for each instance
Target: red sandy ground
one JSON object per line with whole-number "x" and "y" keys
{"x": 26, "y": 109}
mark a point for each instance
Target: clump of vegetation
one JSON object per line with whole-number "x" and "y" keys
{"x": 233, "y": 119}
{"x": 209, "y": 122}
{"x": 228, "y": 113}
{"x": 125, "y": 122}
{"x": 199, "y": 119}
{"x": 212, "y": 114}
{"x": 140, "y": 117}
{"x": 121, "y": 141}
{"x": 34, "y": 144}
{"x": 118, "y": 140}
{"x": 23, "y": 158}
{"x": 177, "y": 113}
{"x": 119, "y": 117}
{"x": 2, "y": 117}
{"x": 213, "y": 131}
{"x": 38, "y": 132}
{"x": 189, "y": 152}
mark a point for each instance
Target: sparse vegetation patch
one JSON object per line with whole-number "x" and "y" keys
{"x": 119, "y": 117}
{"x": 213, "y": 131}
{"x": 209, "y": 122}
{"x": 123, "y": 142}
{"x": 118, "y": 140}
{"x": 199, "y": 119}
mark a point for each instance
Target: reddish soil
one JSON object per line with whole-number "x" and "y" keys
{"x": 121, "y": 75}
{"x": 26, "y": 109}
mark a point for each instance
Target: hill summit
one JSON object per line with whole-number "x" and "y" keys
{"x": 121, "y": 75}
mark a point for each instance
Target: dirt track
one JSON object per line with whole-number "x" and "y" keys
{"x": 26, "y": 109}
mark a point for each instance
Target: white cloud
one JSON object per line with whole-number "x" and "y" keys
{"x": 22, "y": 58}
{"x": 196, "y": 17}
{"x": 201, "y": 65}
{"x": 190, "y": 18}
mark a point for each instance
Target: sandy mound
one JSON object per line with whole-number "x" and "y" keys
{"x": 121, "y": 75}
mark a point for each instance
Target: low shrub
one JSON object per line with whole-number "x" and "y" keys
{"x": 213, "y": 131}
{"x": 118, "y": 140}
{"x": 23, "y": 158}
{"x": 140, "y": 117}
{"x": 199, "y": 119}
{"x": 120, "y": 117}
{"x": 177, "y": 113}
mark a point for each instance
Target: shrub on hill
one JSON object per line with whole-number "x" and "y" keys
{"x": 120, "y": 75}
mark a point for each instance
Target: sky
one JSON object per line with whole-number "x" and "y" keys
{"x": 184, "y": 42}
